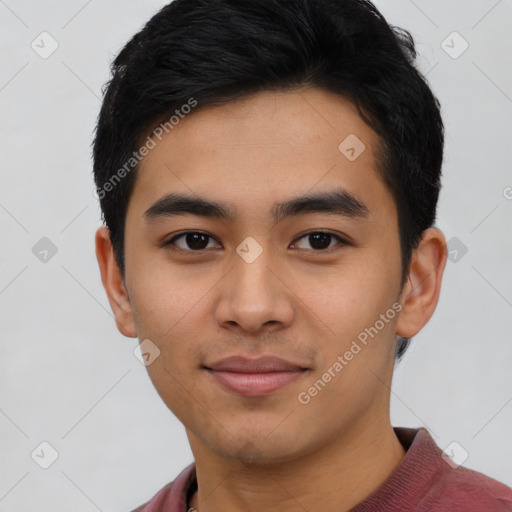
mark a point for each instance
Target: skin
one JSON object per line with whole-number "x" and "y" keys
{"x": 294, "y": 301}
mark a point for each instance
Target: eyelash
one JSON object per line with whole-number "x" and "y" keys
{"x": 171, "y": 243}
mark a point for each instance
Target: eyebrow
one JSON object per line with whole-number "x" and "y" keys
{"x": 338, "y": 202}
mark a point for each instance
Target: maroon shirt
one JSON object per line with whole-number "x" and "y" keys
{"x": 423, "y": 482}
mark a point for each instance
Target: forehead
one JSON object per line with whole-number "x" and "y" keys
{"x": 262, "y": 149}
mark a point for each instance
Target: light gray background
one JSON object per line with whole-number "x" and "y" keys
{"x": 69, "y": 378}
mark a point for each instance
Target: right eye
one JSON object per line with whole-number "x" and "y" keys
{"x": 195, "y": 241}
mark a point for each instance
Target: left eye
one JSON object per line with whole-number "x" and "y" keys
{"x": 319, "y": 240}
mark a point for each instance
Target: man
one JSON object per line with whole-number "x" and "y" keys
{"x": 269, "y": 173}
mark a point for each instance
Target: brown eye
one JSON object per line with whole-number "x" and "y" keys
{"x": 320, "y": 240}
{"x": 191, "y": 241}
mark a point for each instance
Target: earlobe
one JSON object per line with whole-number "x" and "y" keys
{"x": 420, "y": 295}
{"x": 114, "y": 285}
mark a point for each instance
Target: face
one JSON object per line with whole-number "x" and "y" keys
{"x": 314, "y": 284}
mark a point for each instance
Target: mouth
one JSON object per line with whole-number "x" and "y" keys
{"x": 254, "y": 377}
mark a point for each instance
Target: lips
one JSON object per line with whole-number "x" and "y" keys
{"x": 254, "y": 377}
{"x": 241, "y": 364}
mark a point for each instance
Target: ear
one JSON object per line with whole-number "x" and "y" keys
{"x": 114, "y": 285}
{"x": 420, "y": 294}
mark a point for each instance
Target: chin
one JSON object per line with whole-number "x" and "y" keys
{"x": 253, "y": 450}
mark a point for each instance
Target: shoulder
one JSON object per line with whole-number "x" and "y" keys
{"x": 173, "y": 496}
{"x": 427, "y": 480}
{"x": 155, "y": 503}
{"x": 463, "y": 489}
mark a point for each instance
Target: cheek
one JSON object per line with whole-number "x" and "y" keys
{"x": 169, "y": 316}
{"x": 165, "y": 298}
{"x": 173, "y": 386}
{"x": 358, "y": 350}
{"x": 345, "y": 298}
{"x": 171, "y": 321}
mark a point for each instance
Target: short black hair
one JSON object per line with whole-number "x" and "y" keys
{"x": 214, "y": 51}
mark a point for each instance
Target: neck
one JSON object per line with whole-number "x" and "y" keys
{"x": 334, "y": 478}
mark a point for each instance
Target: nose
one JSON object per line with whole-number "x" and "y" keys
{"x": 255, "y": 295}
